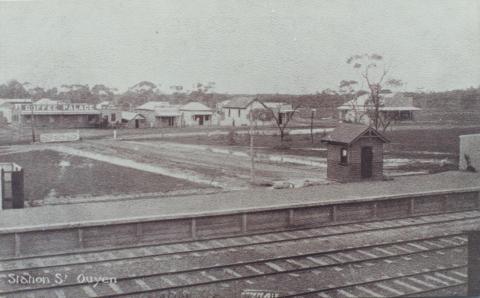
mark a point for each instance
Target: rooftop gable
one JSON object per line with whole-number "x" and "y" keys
{"x": 129, "y": 116}
{"x": 241, "y": 102}
{"x": 347, "y": 133}
{"x": 397, "y": 101}
{"x": 152, "y": 105}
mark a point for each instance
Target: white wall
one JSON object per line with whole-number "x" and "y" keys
{"x": 242, "y": 120}
{"x": 470, "y": 145}
{"x": 7, "y": 113}
{"x": 187, "y": 119}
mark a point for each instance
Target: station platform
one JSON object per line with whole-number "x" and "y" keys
{"x": 225, "y": 203}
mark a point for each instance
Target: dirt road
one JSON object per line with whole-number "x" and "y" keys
{"x": 229, "y": 171}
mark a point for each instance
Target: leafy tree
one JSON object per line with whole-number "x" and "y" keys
{"x": 101, "y": 93}
{"x": 13, "y": 89}
{"x": 75, "y": 93}
{"x": 140, "y": 93}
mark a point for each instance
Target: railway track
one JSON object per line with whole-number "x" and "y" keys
{"x": 197, "y": 267}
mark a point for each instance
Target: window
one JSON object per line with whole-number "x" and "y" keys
{"x": 239, "y": 113}
{"x": 229, "y": 112}
{"x": 343, "y": 156}
{"x": 113, "y": 117}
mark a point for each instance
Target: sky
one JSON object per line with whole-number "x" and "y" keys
{"x": 244, "y": 46}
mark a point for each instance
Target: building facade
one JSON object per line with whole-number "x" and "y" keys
{"x": 57, "y": 115}
{"x": 396, "y": 107}
{"x": 237, "y": 112}
{"x": 196, "y": 114}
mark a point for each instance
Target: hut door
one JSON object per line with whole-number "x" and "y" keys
{"x": 367, "y": 158}
{"x": 137, "y": 123}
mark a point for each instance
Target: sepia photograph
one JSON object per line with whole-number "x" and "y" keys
{"x": 239, "y": 148}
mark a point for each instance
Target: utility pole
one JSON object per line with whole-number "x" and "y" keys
{"x": 252, "y": 159}
{"x": 32, "y": 122}
{"x": 311, "y": 123}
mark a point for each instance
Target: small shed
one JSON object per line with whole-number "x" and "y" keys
{"x": 133, "y": 120}
{"x": 355, "y": 153}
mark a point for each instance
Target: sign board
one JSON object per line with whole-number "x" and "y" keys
{"x": 59, "y": 137}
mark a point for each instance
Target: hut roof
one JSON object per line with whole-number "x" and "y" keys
{"x": 347, "y": 133}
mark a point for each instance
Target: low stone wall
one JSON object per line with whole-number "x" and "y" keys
{"x": 45, "y": 241}
{"x": 469, "y": 148}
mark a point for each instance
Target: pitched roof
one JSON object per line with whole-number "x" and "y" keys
{"x": 130, "y": 116}
{"x": 48, "y": 101}
{"x": 152, "y": 105}
{"x": 280, "y": 106}
{"x": 240, "y": 102}
{"x": 347, "y": 133}
{"x": 195, "y": 106}
{"x": 15, "y": 100}
{"x": 396, "y": 102}
{"x": 167, "y": 112}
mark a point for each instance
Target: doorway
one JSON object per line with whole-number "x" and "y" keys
{"x": 137, "y": 123}
{"x": 367, "y": 162}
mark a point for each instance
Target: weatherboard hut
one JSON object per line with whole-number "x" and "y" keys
{"x": 354, "y": 153}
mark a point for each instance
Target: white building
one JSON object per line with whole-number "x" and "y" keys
{"x": 237, "y": 111}
{"x": 152, "y": 112}
{"x": 164, "y": 114}
{"x": 7, "y": 106}
{"x": 196, "y": 114}
{"x": 397, "y": 106}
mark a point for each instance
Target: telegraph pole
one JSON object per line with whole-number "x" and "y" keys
{"x": 32, "y": 122}
{"x": 252, "y": 159}
{"x": 311, "y": 124}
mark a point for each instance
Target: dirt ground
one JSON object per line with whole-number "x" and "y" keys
{"x": 113, "y": 168}
{"x": 49, "y": 174}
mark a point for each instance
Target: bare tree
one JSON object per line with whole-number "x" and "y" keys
{"x": 348, "y": 89}
{"x": 280, "y": 122}
{"x": 374, "y": 72}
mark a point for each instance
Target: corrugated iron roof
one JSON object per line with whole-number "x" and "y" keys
{"x": 346, "y": 133}
{"x": 397, "y": 102}
{"x": 195, "y": 106}
{"x": 167, "y": 112}
{"x": 240, "y": 102}
{"x": 152, "y": 105}
{"x": 130, "y": 116}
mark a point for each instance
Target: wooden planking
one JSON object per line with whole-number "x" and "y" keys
{"x": 167, "y": 230}
{"x": 267, "y": 220}
{"x": 393, "y": 208}
{"x": 312, "y": 216}
{"x": 108, "y": 236}
{"x": 354, "y": 212}
{"x": 462, "y": 201}
{"x": 48, "y": 241}
{"x": 429, "y": 204}
{"x": 219, "y": 225}
{"x": 7, "y": 245}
